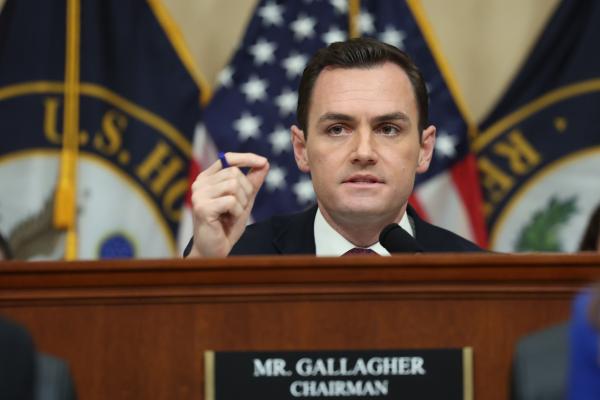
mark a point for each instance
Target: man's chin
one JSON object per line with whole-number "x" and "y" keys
{"x": 362, "y": 212}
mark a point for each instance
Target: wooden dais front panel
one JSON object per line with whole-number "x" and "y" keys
{"x": 138, "y": 329}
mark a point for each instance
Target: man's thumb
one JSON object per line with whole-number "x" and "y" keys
{"x": 257, "y": 176}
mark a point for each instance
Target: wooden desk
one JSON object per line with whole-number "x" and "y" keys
{"x": 138, "y": 329}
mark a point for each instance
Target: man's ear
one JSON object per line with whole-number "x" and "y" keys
{"x": 426, "y": 150}
{"x": 299, "y": 144}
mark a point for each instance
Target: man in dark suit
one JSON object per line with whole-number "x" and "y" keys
{"x": 363, "y": 135}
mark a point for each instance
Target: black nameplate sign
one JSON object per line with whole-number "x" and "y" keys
{"x": 378, "y": 374}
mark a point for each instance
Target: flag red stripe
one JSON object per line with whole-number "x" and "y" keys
{"x": 194, "y": 170}
{"x": 465, "y": 178}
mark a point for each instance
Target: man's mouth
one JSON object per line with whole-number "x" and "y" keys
{"x": 363, "y": 179}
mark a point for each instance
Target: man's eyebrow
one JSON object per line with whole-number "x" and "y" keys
{"x": 335, "y": 117}
{"x": 391, "y": 117}
{"x": 395, "y": 116}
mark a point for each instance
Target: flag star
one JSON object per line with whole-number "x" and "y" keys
{"x": 393, "y": 36}
{"x": 275, "y": 178}
{"x": 263, "y": 51}
{"x": 287, "y": 101}
{"x": 271, "y": 14}
{"x": 280, "y": 140}
{"x": 334, "y": 34}
{"x": 340, "y": 6}
{"x": 247, "y": 126}
{"x": 304, "y": 191}
{"x": 294, "y": 64}
{"x": 304, "y": 27}
{"x": 225, "y": 77}
{"x": 366, "y": 23}
{"x": 445, "y": 144}
{"x": 254, "y": 89}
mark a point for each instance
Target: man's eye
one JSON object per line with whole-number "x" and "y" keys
{"x": 337, "y": 130}
{"x": 389, "y": 130}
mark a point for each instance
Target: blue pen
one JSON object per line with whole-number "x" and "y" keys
{"x": 224, "y": 162}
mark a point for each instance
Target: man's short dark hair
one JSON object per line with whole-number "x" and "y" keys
{"x": 359, "y": 53}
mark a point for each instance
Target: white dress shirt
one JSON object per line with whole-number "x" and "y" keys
{"x": 329, "y": 243}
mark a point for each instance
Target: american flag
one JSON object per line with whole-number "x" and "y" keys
{"x": 255, "y": 104}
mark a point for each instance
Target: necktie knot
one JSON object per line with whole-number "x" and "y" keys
{"x": 360, "y": 251}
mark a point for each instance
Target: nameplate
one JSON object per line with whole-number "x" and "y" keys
{"x": 381, "y": 374}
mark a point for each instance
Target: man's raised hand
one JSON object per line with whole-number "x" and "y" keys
{"x": 222, "y": 199}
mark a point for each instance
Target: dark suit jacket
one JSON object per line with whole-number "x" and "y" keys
{"x": 294, "y": 234}
{"x": 17, "y": 362}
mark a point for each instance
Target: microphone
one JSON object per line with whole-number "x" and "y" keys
{"x": 397, "y": 240}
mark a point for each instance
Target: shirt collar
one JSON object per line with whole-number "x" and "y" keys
{"x": 329, "y": 243}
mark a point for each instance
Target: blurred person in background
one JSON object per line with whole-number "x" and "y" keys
{"x": 584, "y": 330}
{"x": 584, "y": 356}
{"x": 17, "y": 353}
{"x": 26, "y": 374}
{"x": 17, "y": 362}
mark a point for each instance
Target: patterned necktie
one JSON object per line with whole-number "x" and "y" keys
{"x": 360, "y": 251}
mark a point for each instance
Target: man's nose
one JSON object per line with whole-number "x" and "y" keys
{"x": 364, "y": 151}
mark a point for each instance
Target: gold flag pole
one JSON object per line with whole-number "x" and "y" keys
{"x": 65, "y": 201}
{"x": 353, "y": 18}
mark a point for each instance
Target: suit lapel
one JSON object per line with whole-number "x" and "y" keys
{"x": 421, "y": 228}
{"x": 296, "y": 235}
{"x": 425, "y": 234}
